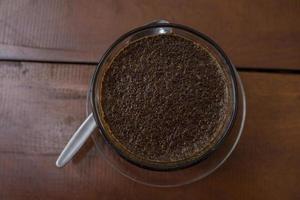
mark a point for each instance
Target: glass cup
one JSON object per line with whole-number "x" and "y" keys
{"x": 155, "y": 174}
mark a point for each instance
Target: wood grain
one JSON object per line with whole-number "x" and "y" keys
{"x": 253, "y": 33}
{"x": 42, "y": 104}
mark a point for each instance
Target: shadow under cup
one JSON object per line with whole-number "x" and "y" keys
{"x": 153, "y": 30}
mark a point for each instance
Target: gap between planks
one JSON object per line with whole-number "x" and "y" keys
{"x": 256, "y": 69}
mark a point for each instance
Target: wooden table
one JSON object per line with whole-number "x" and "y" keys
{"x": 49, "y": 49}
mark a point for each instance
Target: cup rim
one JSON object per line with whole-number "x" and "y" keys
{"x": 227, "y": 128}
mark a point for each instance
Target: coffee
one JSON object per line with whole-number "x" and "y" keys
{"x": 165, "y": 101}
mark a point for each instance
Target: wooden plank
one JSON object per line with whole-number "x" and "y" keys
{"x": 42, "y": 104}
{"x": 253, "y": 33}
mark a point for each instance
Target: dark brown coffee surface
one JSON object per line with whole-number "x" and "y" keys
{"x": 165, "y": 99}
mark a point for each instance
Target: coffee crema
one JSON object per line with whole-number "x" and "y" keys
{"x": 165, "y": 101}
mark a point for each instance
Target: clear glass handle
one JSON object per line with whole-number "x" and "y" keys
{"x": 161, "y": 21}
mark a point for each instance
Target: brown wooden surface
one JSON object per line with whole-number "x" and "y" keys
{"x": 42, "y": 104}
{"x": 253, "y": 33}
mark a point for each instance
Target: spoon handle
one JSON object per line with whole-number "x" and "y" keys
{"x": 77, "y": 140}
